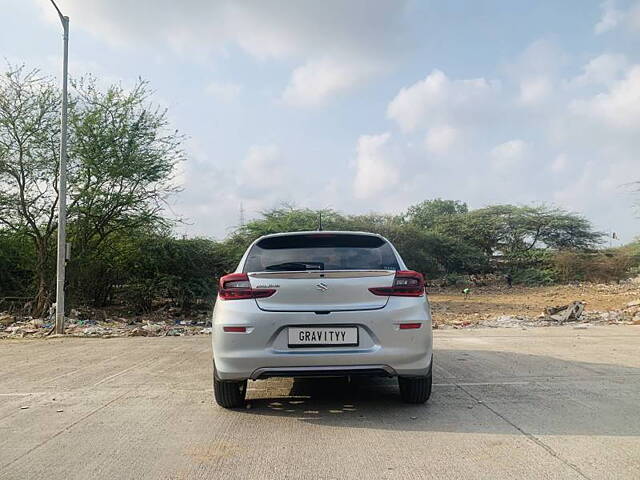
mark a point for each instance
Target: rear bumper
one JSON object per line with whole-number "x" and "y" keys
{"x": 230, "y": 366}
{"x": 262, "y": 352}
{"x": 367, "y": 370}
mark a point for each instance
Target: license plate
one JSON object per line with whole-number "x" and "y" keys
{"x": 323, "y": 336}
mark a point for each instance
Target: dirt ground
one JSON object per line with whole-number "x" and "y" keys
{"x": 451, "y": 306}
{"x": 484, "y": 306}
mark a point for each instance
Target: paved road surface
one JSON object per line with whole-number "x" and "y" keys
{"x": 544, "y": 403}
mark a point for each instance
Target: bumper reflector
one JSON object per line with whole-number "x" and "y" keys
{"x": 409, "y": 326}
{"x": 235, "y": 329}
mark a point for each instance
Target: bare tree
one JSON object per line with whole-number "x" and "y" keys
{"x": 122, "y": 155}
{"x": 29, "y": 129}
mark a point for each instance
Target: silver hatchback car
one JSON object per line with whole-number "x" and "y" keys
{"x": 321, "y": 304}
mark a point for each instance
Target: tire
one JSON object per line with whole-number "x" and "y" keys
{"x": 415, "y": 389}
{"x": 229, "y": 394}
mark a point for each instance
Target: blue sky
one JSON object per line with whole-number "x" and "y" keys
{"x": 371, "y": 105}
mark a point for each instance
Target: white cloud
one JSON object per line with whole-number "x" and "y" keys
{"x": 441, "y": 139}
{"x": 262, "y": 169}
{"x": 619, "y": 107}
{"x": 559, "y": 163}
{"x": 329, "y": 48}
{"x": 613, "y": 17}
{"x": 599, "y": 184}
{"x": 610, "y": 19}
{"x": 315, "y": 81}
{"x": 334, "y": 39}
{"x": 214, "y": 191}
{"x": 633, "y": 18}
{"x": 535, "y": 71}
{"x": 602, "y": 70}
{"x": 437, "y": 99}
{"x": 535, "y": 90}
{"x": 508, "y": 154}
{"x": 376, "y": 171}
{"x": 224, "y": 91}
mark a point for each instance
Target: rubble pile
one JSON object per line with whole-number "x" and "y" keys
{"x": 573, "y": 313}
{"x": 628, "y": 315}
{"x": 173, "y": 322}
{"x": 80, "y": 326}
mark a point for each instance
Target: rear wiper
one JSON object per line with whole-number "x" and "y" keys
{"x": 290, "y": 266}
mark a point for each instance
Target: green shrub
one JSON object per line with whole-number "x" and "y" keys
{"x": 16, "y": 265}
{"x": 533, "y": 277}
{"x": 140, "y": 295}
{"x": 453, "y": 279}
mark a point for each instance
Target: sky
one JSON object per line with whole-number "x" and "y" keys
{"x": 370, "y": 105}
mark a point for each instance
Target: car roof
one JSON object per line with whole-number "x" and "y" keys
{"x": 329, "y": 232}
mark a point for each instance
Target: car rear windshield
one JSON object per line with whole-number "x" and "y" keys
{"x": 321, "y": 252}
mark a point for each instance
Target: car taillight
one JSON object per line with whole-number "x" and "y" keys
{"x": 407, "y": 283}
{"x": 236, "y": 286}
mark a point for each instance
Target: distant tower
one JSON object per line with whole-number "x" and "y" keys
{"x": 241, "y": 214}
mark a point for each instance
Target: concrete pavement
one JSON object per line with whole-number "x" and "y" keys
{"x": 541, "y": 403}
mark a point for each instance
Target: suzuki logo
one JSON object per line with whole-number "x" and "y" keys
{"x": 322, "y": 287}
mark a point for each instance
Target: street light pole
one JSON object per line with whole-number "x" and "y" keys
{"x": 62, "y": 181}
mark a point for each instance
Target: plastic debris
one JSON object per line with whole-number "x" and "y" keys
{"x": 98, "y": 325}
